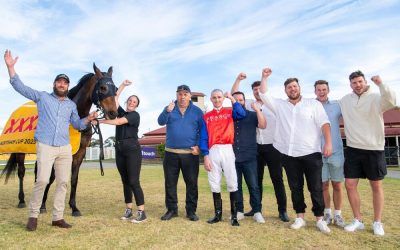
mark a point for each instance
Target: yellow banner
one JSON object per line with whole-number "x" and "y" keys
{"x": 17, "y": 136}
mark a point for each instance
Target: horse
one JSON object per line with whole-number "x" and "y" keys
{"x": 93, "y": 88}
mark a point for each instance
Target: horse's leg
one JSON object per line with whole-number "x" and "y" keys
{"x": 76, "y": 163}
{"x": 46, "y": 191}
{"x": 21, "y": 175}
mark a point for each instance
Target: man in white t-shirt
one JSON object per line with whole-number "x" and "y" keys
{"x": 266, "y": 153}
{"x": 299, "y": 123}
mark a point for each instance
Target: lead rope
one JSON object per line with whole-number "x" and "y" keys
{"x": 96, "y": 130}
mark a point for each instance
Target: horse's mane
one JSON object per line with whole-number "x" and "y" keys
{"x": 72, "y": 92}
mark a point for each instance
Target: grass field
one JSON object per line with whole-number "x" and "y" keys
{"x": 100, "y": 200}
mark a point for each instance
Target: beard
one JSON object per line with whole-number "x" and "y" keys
{"x": 60, "y": 93}
{"x": 294, "y": 97}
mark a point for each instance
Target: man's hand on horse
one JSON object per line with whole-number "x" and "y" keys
{"x": 93, "y": 115}
{"x": 10, "y": 61}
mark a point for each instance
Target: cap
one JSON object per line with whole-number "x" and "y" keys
{"x": 184, "y": 88}
{"x": 62, "y": 76}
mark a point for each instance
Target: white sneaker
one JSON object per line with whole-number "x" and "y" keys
{"x": 338, "y": 220}
{"x": 298, "y": 223}
{"x": 323, "y": 226}
{"x": 239, "y": 216}
{"x": 378, "y": 228}
{"x": 328, "y": 218}
{"x": 354, "y": 226}
{"x": 258, "y": 217}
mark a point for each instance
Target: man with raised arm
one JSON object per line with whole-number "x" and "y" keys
{"x": 299, "y": 124}
{"x": 56, "y": 111}
{"x": 332, "y": 169}
{"x": 266, "y": 153}
{"x": 217, "y": 137}
{"x": 245, "y": 148}
{"x": 183, "y": 120}
{"x": 362, "y": 112}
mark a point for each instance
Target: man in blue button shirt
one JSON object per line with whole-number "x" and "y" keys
{"x": 332, "y": 168}
{"x": 56, "y": 111}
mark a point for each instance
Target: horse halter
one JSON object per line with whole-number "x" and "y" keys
{"x": 104, "y": 88}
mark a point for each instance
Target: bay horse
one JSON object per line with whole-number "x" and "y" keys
{"x": 98, "y": 89}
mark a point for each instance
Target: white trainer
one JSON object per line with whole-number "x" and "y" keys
{"x": 298, "y": 223}
{"x": 338, "y": 221}
{"x": 323, "y": 226}
{"x": 354, "y": 226}
{"x": 239, "y": 216}
{"x": 378, "y": 228}
{"x": 258, "y": 217}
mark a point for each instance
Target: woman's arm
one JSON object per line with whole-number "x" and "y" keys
{"x": 120, "y": 89}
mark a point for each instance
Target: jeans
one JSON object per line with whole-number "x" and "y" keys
{"x": 267, "y": 154}
{"x": 189, "y": 164}
{"x": 309, "y": 166}
{"x": 248, "y": 169}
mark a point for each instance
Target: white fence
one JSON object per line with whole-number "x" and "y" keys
{"x": 94, "y": 153}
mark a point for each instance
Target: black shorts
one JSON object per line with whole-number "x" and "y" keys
{"x": 361, "y": 163}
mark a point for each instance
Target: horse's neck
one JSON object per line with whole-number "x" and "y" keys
{"x": 83, "y": 99}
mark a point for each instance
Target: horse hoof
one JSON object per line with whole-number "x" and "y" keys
{"x": 21, "y": 205}
{"x": 76, "y": 213}
{"x": 43, "y": 210}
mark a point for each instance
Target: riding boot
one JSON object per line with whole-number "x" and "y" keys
{"x": 218, "y": 209}
{"x": 234, "y": 220}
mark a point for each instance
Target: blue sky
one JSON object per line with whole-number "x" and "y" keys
{"x": 204, "y": 44}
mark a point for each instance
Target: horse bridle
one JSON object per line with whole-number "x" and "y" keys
{"x": 97, "y": 97}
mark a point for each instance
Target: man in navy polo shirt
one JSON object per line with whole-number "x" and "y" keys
{"x": 245, "y": 148}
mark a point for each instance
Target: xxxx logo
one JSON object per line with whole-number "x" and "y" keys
{"x": 21, "y": 124}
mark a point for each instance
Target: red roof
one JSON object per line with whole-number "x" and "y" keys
{"x": 392, "y": 117}
{"x": 198, "y": 94}
{"x": 159, "y": 131}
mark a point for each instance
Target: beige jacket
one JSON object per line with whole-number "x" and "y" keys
{"x": 363, "y": 117}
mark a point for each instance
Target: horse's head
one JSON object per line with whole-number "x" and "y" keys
{"x": 103, "y": 95}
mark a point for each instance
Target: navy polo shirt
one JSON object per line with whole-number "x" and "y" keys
{"x": 245, "y": 145}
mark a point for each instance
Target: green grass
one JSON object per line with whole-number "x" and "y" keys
{"x": 100, "y": 200}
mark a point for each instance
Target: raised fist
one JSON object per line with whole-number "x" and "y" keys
{"x": 126, "y": 82}
{"x": 241, "y": 76}
{"x": 376, "y": 79}
{"x": 266, "y": 72}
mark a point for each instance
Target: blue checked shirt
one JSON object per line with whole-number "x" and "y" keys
{"x": 55, "y": 115}
{"x": 332, "y": 109}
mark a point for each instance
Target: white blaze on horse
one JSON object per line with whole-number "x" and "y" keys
{"x": 93, "y": 88}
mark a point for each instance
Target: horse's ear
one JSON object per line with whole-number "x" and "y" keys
{"x": 97, "y": 71}
{"x": 110, "y": 71}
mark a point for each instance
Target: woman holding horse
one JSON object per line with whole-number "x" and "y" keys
{"x": 129, "y": 154}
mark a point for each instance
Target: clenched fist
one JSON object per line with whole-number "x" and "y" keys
{"x": 377, "y": 80}
{"x": 266, "y": 72}
{"x": 241, "y": 76}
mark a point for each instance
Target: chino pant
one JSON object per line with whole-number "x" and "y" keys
{"x": 309, "y": 166}
{"x": 189, "y": 165}
{"x": 248, "y": 169}
{"x": 128, "y": 157}
{"x": 61, "y": 157}
{"x": 267, "y": 154}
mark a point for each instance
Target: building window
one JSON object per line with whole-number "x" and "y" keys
{"x": 195, "y": 99}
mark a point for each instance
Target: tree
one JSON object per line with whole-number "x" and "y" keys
{"x": 94, "y": 142}
{"x": 110, "y": 142}
{"x": 161, "y": 150}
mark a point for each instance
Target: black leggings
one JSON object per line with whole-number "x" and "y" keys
{"x": 129, "y": 162}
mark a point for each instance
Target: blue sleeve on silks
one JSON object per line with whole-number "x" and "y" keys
{"x": 238, "y": 112}
{"x": 203, "y": 140}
